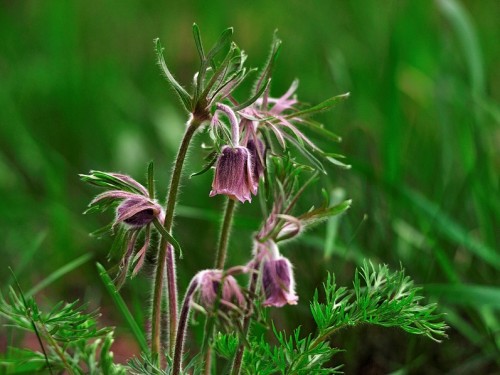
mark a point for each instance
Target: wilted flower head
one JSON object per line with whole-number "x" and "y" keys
{"x": 233, "y": 174}
{"x": 209, "y": 283}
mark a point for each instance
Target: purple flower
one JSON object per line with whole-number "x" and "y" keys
{"x": 257, "y": 151}
{"x": 278, "y": 282}
{"x": 135, "y": 211}
{"x": 209, "y": 282}
{"x": 233, "y": 174}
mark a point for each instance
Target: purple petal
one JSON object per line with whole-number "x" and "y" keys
{"x": 233, "y": 174}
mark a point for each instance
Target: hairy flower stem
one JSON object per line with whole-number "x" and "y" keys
{"x": 220, "y": 260}
{"x": 238, "y": 358}
{"x": 235, "y": 126}
{"x": 181, "y": 329}
{"x": 166, "y": 256}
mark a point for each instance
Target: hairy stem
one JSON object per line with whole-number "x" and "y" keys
{"x": 238, "y": 358}
{"x": 235, "y": 126}
{"x": 224, "y": 234}
{"x": 220, "y": 260}
{"x": 181, "y": 329}
{"x": 166, "y": 256}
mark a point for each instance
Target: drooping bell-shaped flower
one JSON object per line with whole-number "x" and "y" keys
{"x": 209, "y": 283}
{"x": 233, "y": 174}
{"x": 278, "y": 282}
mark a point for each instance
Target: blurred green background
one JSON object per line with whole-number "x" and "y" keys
{"x": 79, "y": 90}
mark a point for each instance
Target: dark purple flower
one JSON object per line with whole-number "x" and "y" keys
{"x": 278, "y": 282}
{"x": 137, "y": 211}
{"x": 209, "y": 282}
{"x": 233, "y": 174}
{"x": 258, "y": 156}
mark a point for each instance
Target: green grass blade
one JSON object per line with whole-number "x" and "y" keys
{"x": 463, "y": 27}
{"x": 332, "y": 225}
{"x": 59, "y": 273}
{"x": 122, "y": 307}
{"x": 477, "y": 296}
{"x": 451, "y": 229}
{"x": 28, "y": 255}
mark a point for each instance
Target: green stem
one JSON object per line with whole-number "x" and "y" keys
{"x": 181, "y": 332}
{"x": 55, "y": 346}
{"x": 238, "y": 358}
{"x": 220, "y": 259}
{"x": 323, "y": 337}
{"x": 166, "y": 256}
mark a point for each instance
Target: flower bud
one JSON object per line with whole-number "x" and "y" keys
{"x": 233, "y": 174}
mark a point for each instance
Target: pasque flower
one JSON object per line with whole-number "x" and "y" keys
{"x": 233, "y": 174}
{"x": 278, "y": 282}
{"x": 135, "y": 212}
{"x": 209, "y": 284}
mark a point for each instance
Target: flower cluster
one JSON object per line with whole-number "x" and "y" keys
{"x": 252, "y": 144}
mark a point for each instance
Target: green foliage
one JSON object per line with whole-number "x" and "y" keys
{"x": 379, "y": 297}
{"x": 145, "y": 366}
{"x": 226, "y": 344}
{"x": 111, "y": 181}
{"x": 122, "y": 308}
{"x": 291, "y": 355}
{"x": 70, "y": 100}
{"x": 69, "y": 338}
